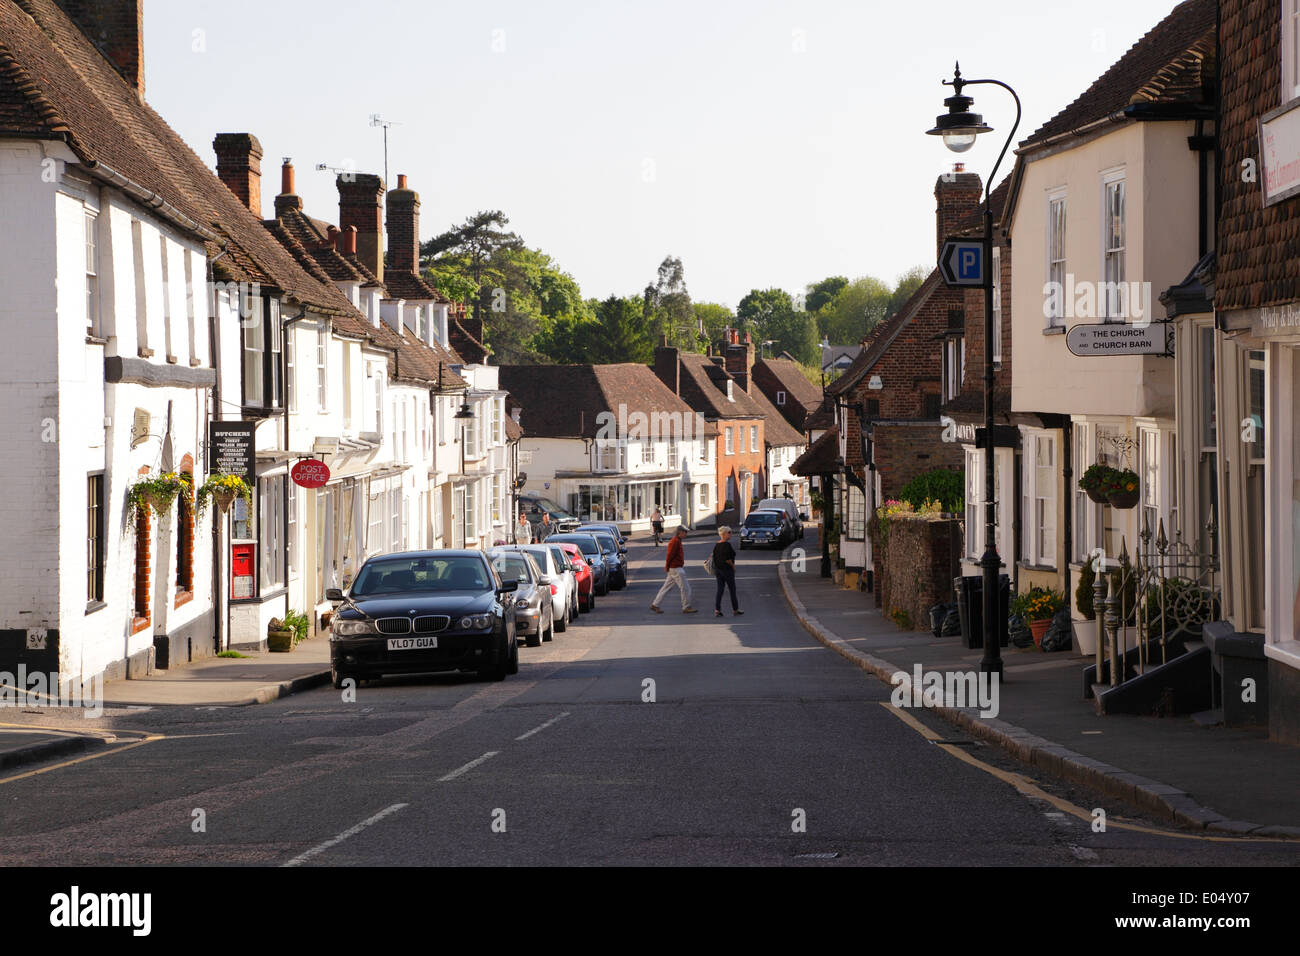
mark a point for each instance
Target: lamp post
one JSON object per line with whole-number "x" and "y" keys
{"x": 959, "y": 127}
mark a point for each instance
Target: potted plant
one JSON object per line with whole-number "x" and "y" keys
{"x": 1036, "y": 607}
{"x": 1085, "y": 628}
{"x": 279, "y": 635}
{"x": 1122, "y": 488}
{"x": 157, "y": 493}
{"x": 299, "y": 623}
{"x": 224, "y": 489}
{"x": 1095, "y": 480}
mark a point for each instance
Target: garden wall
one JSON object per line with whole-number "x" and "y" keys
{"x": 916, "y": 558}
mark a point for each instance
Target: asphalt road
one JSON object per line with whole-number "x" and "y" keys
{"x": 758, "y": 747}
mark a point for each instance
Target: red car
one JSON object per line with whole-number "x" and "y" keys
{"x": 586, "y": 580}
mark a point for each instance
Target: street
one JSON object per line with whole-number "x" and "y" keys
{"x": 753, "y": 745}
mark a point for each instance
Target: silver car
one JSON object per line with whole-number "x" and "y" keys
{"x": 562, "y": 581}
{"x": 534, "y": 618}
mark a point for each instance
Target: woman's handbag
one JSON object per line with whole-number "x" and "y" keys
{"x": 708, "y": 566}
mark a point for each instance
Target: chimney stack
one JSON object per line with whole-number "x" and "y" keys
{"x": 957, "y": 197}
{"x": 360, "y": 198}
{"x": 287, "y": 198}
{"x": 739, "y": 361}
{"x": 116, "y": 29}
{"x": 239, "y": 166}
{"x": 668, "y": 368}
{"x": 404, "y": 228}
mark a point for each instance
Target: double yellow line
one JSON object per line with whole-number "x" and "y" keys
{"x": 60, "y": 732}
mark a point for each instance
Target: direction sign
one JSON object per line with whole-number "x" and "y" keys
{"x": 1118, "y": 338}
{"x": 961, "y": 262}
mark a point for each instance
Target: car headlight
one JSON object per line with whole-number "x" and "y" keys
{"x": 352, "y": 628}
{"x": 521, "y": 603}
{"x": 475, "y": 622}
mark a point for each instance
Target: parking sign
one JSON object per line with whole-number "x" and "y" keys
{"x": 961, "y": 262}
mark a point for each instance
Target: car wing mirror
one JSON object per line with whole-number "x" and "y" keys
{"x": 333, "y": 594}
{"x": 507, "y": 587}
{"x": 545, "y": 579}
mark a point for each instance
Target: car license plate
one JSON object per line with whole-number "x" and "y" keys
{"x": 412, "y": 643}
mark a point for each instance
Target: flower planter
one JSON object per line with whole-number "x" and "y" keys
{"x": 159, "y": 504}
{"x": 224, "y": 499}
{"x": 1038, "y": 629}
{"x": 1097, "y": 495}
{"x": 1124, "y": 500}
{"x": 1085, "y": 637}
{"x": 280, "y": 640}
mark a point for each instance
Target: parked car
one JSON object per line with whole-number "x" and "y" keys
{"x": 534, "y": 505}
{"x": 563, "y": 587}
{"x": 789, "y": 507}
{"x": 565, "y": 564}
{"x": 595, "y": 555}
{"x": 413, "y": 612}
{"x": 533, "y": 615}
{"x": 607, "y": 526}
{"x": 582, "y": 569}
{"x": 768, "y": 529}
{"x": 615, "y": 558}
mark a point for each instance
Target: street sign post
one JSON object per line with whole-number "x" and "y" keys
{"x": 1115, "y": 338}
{"x": 961, "y": 262}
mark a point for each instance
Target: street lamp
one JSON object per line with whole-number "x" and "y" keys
{"x": 959, "y": 127}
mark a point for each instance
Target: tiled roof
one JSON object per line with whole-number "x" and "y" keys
{"x": 563, "y": 401}
{"x": 801, "y": 395}
{"x": 882, "y": 336}
{"x": 406, "y": 285}
{"x": 777, "y": 432}
{"x": 821, "y": 458}
{"x": 823, "y": 417}
{"x": 704, "y": 388}
{"x": 1173, "y": 63}
{"x": 55, "y": 85}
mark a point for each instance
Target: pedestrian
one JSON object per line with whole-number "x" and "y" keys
{"x": 674, "y": 565}
{"x": 724, "y": 569}
{"x": 657, "y": 524}
{"x": 523, "y": 530}
{"x": 544, "y": 531}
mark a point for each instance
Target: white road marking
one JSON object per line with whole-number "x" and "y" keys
{"x": 1083, "y": 854}
{"x": 350, "y": 832}
{"x": 537, "y": 730}
{"x": 468, "y": 767}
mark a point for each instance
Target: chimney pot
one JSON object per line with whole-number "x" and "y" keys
{"x": 349, "y": 240}
{"x": 401, "y": 180}
{"x": 286, "y": 178}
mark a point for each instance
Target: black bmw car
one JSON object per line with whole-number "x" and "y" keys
{"x": 415, "y": 612}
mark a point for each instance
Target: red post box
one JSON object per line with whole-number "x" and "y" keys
{"x": 242, "y": 557}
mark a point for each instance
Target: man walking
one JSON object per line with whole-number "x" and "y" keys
{"x": 674, "y": 564}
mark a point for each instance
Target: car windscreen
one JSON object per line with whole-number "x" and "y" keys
{"x": 763, "y": 521}
{"x": 586, "y": 544}
{"x": 607, "y": 543}
{"x": 513, "y": 567}
{"x": 397, "y": 575}
{"x": 539, "y": 555}
{"x": 545, "y": 504}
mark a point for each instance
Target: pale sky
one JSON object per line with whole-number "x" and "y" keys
{"x": 765, "y": 143}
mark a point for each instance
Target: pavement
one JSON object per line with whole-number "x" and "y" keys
{"x": 1214, "y": 779}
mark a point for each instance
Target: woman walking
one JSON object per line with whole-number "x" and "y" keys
{"x": 724, "y": 569}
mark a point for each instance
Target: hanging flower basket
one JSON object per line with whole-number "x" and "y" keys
{"x": 223, "y": 489}
{"x": 156, "y": 493}
{"x": 1122, "y": 490}
{"x": 1095, "y": 481}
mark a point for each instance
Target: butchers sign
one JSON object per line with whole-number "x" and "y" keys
{"x": 1279, "y": 153}
{"x": 310, "y": 473}
{"x": 232, "y": 450}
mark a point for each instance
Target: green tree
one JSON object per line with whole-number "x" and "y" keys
{"x": 666, "y": 307}
{"x": 758, "y": 307}
{"x": 620, "y": 333}
{"x": 711, "y": 320}
{"x": 854, "y": 312}
{"x": 908, "y": 283}
{"x": 820, "y": 293}
{"x": 794, "y": 332}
